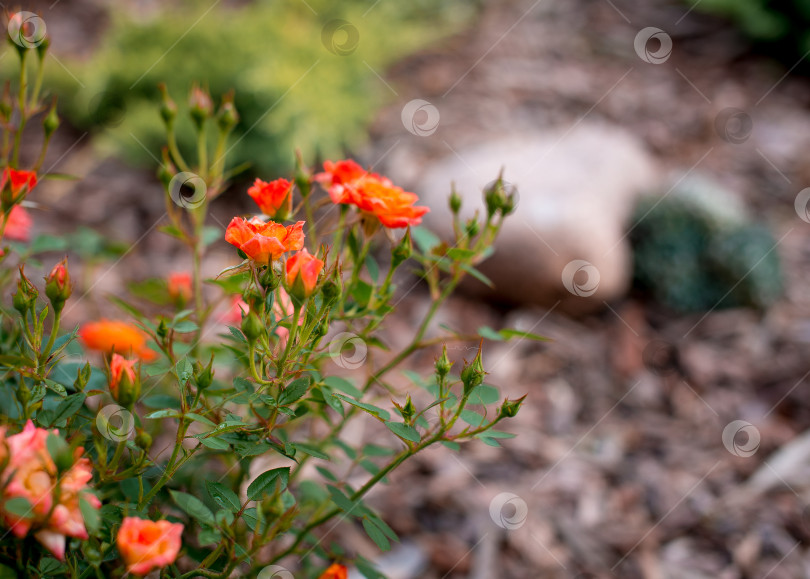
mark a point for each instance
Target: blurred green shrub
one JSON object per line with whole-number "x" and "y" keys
{"x": 782, "y": 27}
{"x": 291, "y": 89}
{"x": 693, "y": 252}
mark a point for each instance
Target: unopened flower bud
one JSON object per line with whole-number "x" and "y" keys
{"x": 330, "y": 292}
{"x": 204, "y": 376}
{"x": 473, "y": 374}
{"x": 403, "y": 250}
{"x": 143, "y": 440}
{"x": 51, "y": 121}
{"x": 82, "y": 377}
{"x": 270, "y": 279}
{"x": 472, "y": 227}
{"x": 443, "y": 364}
{"x": 168, "y": 109}
{"x": 409, "y": 410}
{"x": 227, "y": 117}
{"x": 57, "y": 286}
{"x": 252, "y": 326}
{"x": 494, "y": 195}
{"x": 27, "y": 294}
{"x": 303, "y": 270}
{"x": 455, "y": 201}
{"x": 510, "y": 408}
{"x": 200, "y": 106}
{"x": 125, "y": 385}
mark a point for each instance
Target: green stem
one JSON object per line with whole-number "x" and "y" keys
{"x": 21, "y": 103}
{"x": 282, "y": 362}
{"x": 57, "y": 318}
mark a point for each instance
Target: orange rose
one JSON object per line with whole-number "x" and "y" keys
{"x": 273, "y": 198}
{"x": 180, "y": 286}
{"x": 112, "y": 335}
{"x": 145, "y": 545}
{"x": 335, "y": 571}
{"x": 32, "y": 475}
{"x": 347, "y": 182}
{"x": 20, "y": 181}
{"x": 302, "y": 273}
{"x": 18, "y": 227}
{"x": 263, "y": 242}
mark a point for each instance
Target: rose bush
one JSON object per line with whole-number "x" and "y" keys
{"x": 194, "y": 442}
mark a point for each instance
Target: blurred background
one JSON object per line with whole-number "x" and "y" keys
{"x": 659, "y": 149}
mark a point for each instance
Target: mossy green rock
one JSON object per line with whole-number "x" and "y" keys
{"x": 695, "y": 250}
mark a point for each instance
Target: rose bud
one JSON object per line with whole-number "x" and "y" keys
{"x": 145, "y": 545}
{"x": 180, "y": 287}
{"x": 124, "y": 384}
{"x": 273, "y": 198}
{"x": 302, "y": 274}
{"x": 335, "y": 571}
{"x": 57, "y": 285}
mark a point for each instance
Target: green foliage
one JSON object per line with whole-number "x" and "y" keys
{"x": 690, "y": 258}
{"x": 783, "y": 27}
{"x": 291, "y": 91}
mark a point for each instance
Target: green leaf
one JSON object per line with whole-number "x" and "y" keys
{"x": 509, "y": 333}
{"x": 160, "y": 401}
{"x": 310, "y": 450}
{"x": 490, "y": 334}
{"x": 19, "y": 507}
{"x": 459, "y": 254}
{"x": 208, "y": 537}
{"x": 214, "y": 443}
{"x": 90, "y": 514}
{"x": 254, "y": 519}
{"x": 68, "y": 407}
{"x": 367, "y": 568}
{"x": 199, "y": 418}
{"x": 343, "y": 385}
{"x": 294, "y": 391}
{"x": 340, "y": 499}
{"x": 163, "y": 414}
{"x": 484, "y": 394}
{"x": 375, "y": 450}
{"x": 43, "y": 243}
{"x": 326, "y": 473}
{"x": 195, "y": 508}
{"x": 223, "y": 496}
{"x": 404, "y": 431}
{"x": 451, "y": 445}
{"x": 472, "y": 418}
{"x": 185, "y": 327}
{"x": 183, "y": 370}
{"x": 477, "y": 275}
{"x": 376, "y": 535}
{"x": 424, "y": 238}
{"x": 489, "y": 441}
{"x": 373, "y": 268}
{"x": 370, "y": 408}
{"x": 264, "y": 481}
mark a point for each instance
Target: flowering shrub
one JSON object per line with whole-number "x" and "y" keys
{"x": 176, "y": 449}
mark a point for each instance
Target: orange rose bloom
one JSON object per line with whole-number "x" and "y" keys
{"x": 113, "y": 335}
{"x": 145, "y": 545}
{"x": 273, "y": 198}
{"x": 21, "y": 181}
{"x": 335, "y": 571}
{"x": 347, "y": 182}
{"x": 263, "y": 242}
{"x": 32, "y": 475}
{"x": 180, "y": 286}
{"x": 302, "y": 273}
{"x": 18, "y": 227}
